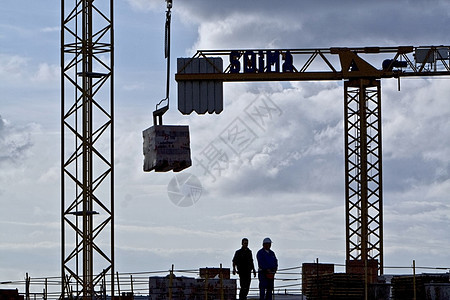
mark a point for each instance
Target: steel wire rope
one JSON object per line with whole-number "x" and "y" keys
{"x": 290, "y": 268}
{"x": 286, "y": 285}
{"x": 286, "y": 279}
{"x": 160, "y": 111}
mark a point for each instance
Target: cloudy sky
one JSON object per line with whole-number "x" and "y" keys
{"x": 288, "y": 183}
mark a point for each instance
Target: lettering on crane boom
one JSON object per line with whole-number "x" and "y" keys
{"x": 261, "y": 61}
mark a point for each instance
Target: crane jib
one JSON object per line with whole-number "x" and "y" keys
{"x": 317, "y": 64}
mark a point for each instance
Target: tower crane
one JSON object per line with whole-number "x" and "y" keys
{"x": 87, "y": 146}
{"x": 201, "y": 76}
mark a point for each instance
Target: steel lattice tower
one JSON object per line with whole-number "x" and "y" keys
{"x": 364, "y": 216}
{"x": 87, "y": 152}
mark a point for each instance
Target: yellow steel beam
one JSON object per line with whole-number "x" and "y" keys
{"x": 350, "y": 65}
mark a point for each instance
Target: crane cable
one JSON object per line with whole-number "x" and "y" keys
{"x": 159, "y": 112}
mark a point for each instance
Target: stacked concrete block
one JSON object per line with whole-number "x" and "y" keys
{"x": 166, "y": 148}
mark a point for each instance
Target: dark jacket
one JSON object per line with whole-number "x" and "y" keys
{"x": 243, "y": 259}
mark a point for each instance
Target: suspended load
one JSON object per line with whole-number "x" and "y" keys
{"x": 167, "y": 148}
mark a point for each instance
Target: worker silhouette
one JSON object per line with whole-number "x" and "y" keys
{"x": 267, "y": 267}
{"x": 243, "y": 261}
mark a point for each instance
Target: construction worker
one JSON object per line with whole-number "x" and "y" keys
{"x": 243, "y": 261}
{"x": 267, "y": 267}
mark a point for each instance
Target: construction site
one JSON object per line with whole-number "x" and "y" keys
{"x": 88, "y": 177}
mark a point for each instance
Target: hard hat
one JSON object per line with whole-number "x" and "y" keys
{"x": 267, "y": 241}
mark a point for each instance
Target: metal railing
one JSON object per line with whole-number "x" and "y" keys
{"x": 288, "y": 281}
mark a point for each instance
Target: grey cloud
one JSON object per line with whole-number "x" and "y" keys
{"x": 405, "y": 173}
{"x": 321, "y": 23}
{"x": 300, "y": 151}
{"x": 14, "y": 141}
{"x": 2, "y": 125}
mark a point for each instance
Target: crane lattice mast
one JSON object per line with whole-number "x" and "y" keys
{"x": 87, "y": 153}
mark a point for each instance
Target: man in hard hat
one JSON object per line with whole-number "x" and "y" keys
{"x": 243, "y": 261}
{"x": 267, "y": 267}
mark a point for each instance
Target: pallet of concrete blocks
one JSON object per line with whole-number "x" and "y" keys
{"x": 186, "y": 288}
{"x": 179, "y": 288}
{"x": 217, "y": 289}
{"x": 166, "y": 148}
